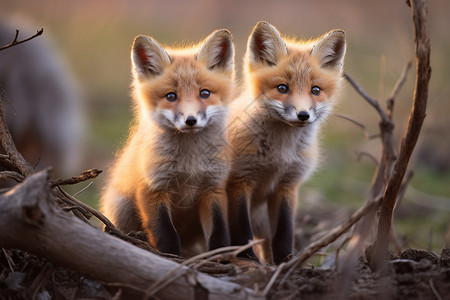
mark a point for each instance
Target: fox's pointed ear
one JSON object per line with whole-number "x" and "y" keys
{"x": 148, "y": 57}
{"x": 265, "y": 45}
{"x": 330, "y": 50}
{"x": 217, "y": 51}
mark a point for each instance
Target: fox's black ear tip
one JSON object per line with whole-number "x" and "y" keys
{"x": 262, "y": 23}
{"x": 223, "y": 31}
{"x": 222, "y": 34}
{"x": 141, "y": 40}
{"x": 339, "y": 33}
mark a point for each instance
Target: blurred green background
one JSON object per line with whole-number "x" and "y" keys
{"x": 95, "y": 39}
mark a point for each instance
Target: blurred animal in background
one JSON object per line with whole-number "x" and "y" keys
{"x": 41, "y": 101}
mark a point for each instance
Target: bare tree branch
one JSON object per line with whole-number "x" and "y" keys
{"x": 401, "y": 80}
{"x": 419, "y": 13}
{"x": 360, "y": 125}
{"x": 330, "y": 237}
{"x": 85, "y": 175}
{"x": 360, "y": 154}
{"x": 15, "y": 42}
{"x": 372, "y": 101}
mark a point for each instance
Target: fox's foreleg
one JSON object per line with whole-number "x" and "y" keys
{"x": 239, "y": 217}
{"x": 281, "y": 208}
{"x": 212, "y": 211}
{"x": 156, "y": 220}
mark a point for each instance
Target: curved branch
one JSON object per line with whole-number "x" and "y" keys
{"x": 418, "y": 111}
{"x": 372, "y": 101}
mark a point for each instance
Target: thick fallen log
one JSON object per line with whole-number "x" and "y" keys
{"x": 30, "y": 220}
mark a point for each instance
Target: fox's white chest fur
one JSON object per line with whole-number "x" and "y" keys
{"x": 186, "y": 165}
{"x": 276, "y": 153}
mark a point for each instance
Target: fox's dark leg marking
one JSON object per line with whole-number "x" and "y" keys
{"x": 219, "y": 235}
{"x": 282, "y": 240}
{"x": 164, "y": 233}
{"x": 240, "y": 226}
{"x": 156, "y": 220}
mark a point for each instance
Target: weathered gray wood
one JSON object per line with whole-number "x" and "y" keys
{"x": 30, "y": 220}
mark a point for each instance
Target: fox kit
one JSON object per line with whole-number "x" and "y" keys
{"x": 290, "y": 89}
{"x": 170, "y": 177}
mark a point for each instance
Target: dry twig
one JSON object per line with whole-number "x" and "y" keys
{"x": 15, "y": 42}
{"x": 360, "y": 154}
{"x": 396, "y": 89}
{"x": 85, "y": 175}
{"x": 369, "y": 99}
{"x": 74, "y": 201}
{"x": 11, "y": 175}
{"x": 328, "y": 238}
{"x": 230, "y": 251}
{"x": 273, "y": 279}
{"x": 360, "y": 125}
{"x": 433, "y": 288}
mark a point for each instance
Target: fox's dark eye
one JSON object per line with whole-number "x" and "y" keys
{"x": 315, "y": 90}
{"x": 205, "y": 94}
{"x": 282, "y": 88}
{"x": 171, "y": 97}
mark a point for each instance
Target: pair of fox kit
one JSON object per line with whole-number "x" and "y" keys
{"x": 204, "y": 167}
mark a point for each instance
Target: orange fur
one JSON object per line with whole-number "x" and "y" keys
{"x": 273, "y": 132}
{"x": 169, "y": 179}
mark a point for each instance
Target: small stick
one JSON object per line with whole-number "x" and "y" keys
{"x": 85, "y": 175}
{"x": 433, "y": 288}
{"x": 83, "y": 189}
{"x": 401, "y": 80}
{"x": 366, "y": 96}
{"x": 9, "y": 260}
{"x": 40, "y": 280}
{"x": 96, "y": 213}
{"x": 79, "y": 208}
{"x": 172, "y": 275}
{"x": 11, "y": 175}
{"x": 15, "y": 42}
{"x": 360, "y": 125}
{"x": 330, "y": 237}
{"x": 16, "y": 36}
{"x": 359, "y": 154}
{"x": 272, "y": 279}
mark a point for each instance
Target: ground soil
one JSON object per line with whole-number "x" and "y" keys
{"x": 416, "y": 274}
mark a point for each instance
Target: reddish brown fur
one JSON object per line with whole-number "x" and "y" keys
{"x": 274, "y": 150}
{"x": 168, "y": 180}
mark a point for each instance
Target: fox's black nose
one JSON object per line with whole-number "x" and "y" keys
{"x": 191, "y": 121}
{"x": 303, "y": 115}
